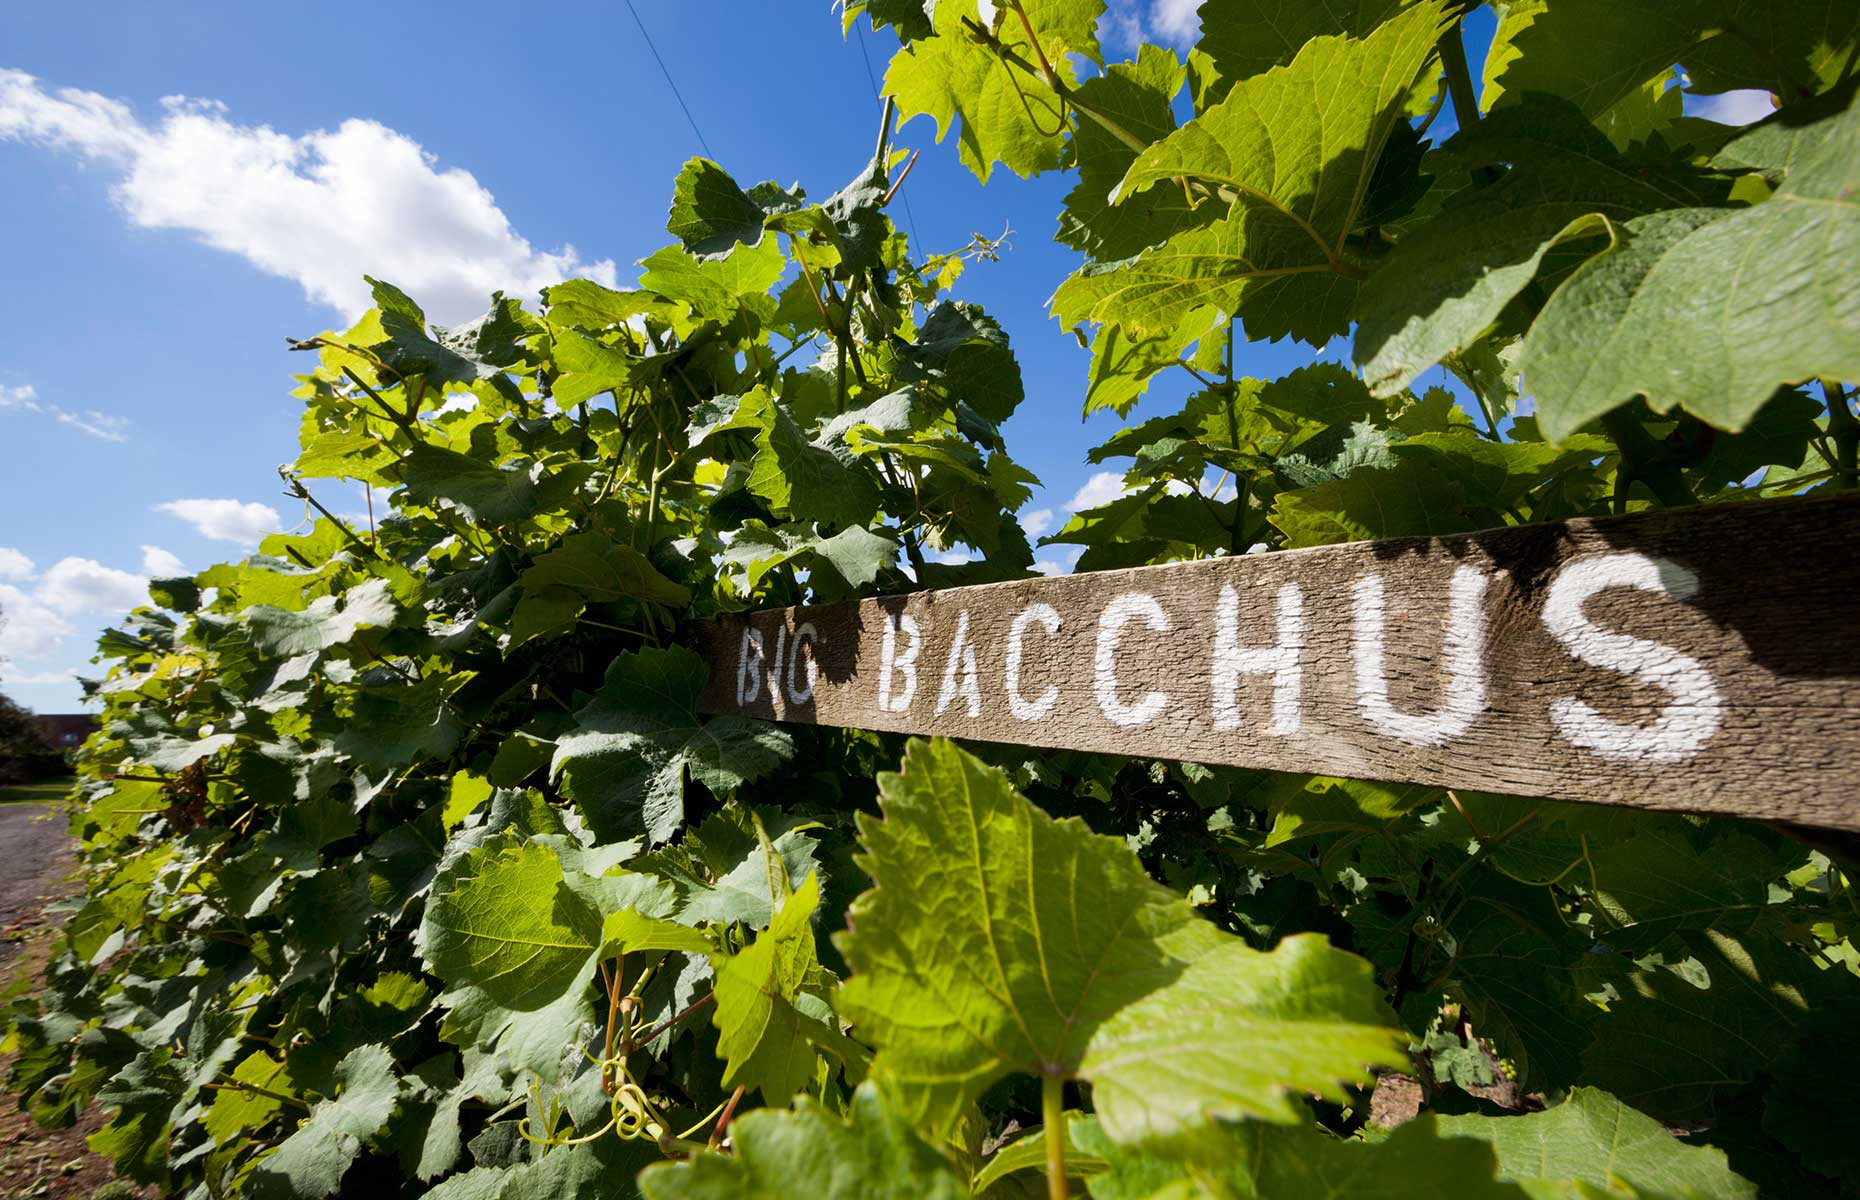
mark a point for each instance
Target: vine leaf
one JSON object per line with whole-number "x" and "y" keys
{"x": 1231, "y": 1035}
{"x": 1250, "y": 39}
{"x": 325, "y": 622}
{"x": 1256, "y": 1161}
{"x": 856, "y": 554}
{"x": 803, "y": 479}
{"x": 1138, "y": 96}
{"x": 489, "y": 494}
{"x": 1597, "y": 52}
{"x": 711, "y": 215}
{"x": 1295, "y": 148}
{"x": 1007, "y": 115}
{"x": 599, "y": 571}
{"x": 760, "y": 1029}
{"x": 312, "y": 1161}
{"x": 504, "y": 921}
{"x": 810, "y": 1154}
{"x": 626, "y": 760}
{"x": 1714, "y": 1012}
{"x": 716, "y": 287}
{"x": 1594, "y": 1139}
{"x": 1451, "y": 275}
{"x": 998, "y": 940}
{"x": 1711, "y": 310}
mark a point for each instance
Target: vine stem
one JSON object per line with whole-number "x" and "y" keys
{"x": 1643, "y": 461}
{"x": 1459, "y": 78}
{"x": 299, "y": 492}
{"x": 1844, "y": 430}
{"x": 1053, "y": 1113}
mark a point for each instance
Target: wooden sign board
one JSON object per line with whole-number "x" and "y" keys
{"x": 1702, "y": 660}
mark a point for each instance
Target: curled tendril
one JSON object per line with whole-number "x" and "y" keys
{"x": 631, "y": 1114}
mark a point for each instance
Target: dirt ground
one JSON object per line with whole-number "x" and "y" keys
{"x": 35, "y": 1162}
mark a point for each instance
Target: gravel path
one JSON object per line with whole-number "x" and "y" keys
{"x": 35, "y": 858}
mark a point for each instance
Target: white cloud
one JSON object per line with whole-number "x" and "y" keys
{"x": 28, "y": 629}
{"x": 25, "y": 398}
{"x": 74, "y": 585}
{"x": 1102, "y": 488}
{"x": 1120, "y": 27}
{"x": 1106, "y": 486}
{"x": 1037, "y": 522}
{"x": 320, "y": 208}
{"x": 160, "y": 564}
{"x": 1177, "y": 22}
{"x": 226, "y": 520}
{"x": 37, "y": 678}
{"x": 1062, "y": 565}
{"x": 14, "y": 565}
{"x": 1736, "y": 108}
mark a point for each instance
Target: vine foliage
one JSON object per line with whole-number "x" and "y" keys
{"x": 411, "y": 866}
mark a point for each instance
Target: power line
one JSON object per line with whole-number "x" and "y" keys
{"x": 664, "y": 70}
{"x": 873, "y": 78}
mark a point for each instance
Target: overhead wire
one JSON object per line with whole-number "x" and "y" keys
{"x": 666, "y": 71}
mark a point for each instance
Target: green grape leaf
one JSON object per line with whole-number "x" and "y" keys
{"x": 236, "y": 1110}
{"x": 1250, "y": 39}
{"x": 1595, "y": 52}
{"x": 587, "y": 366}
{"x": 1123, "y": 364}
{"x": 1138, "y": 96}
{"x": 711, "y": 214}
{"x": 1451, "y": 275}
{"x": 599, "y": 571}
{"x": 1593, "y": 1138}
{"x": 1295, "y": 149}
{"x": 963, "y": 351}
{"x": 395, "y": 724}
{"x": 803, "y": 479}
{"x": 1408, "y": 499}
{"x": 504, "y": 921}
{"x": 626, "y": 760}
{"x": 1237, "y": 1035}
{"x": 311, "y": 1163}
{"x": 166, "y": 752}
{"x": 716, "y": 288}
{"x": 1685, "y": 1034}
{"x": 910, "y": 18}
{"x": 1007, "y": 115}
{"x": 810, "y": 1154}
{"x": 723, "y": 872}
{"x": 1028, "y": 1153}
{"x": 997, "y": 940}
{"x": 325, "y": 622}
{"x": 1497, "y": 475}
{"x": 490, "y": 494}
{"x": 584, "y": 303}
{"x": 1666, "y": 878}
{"x": 760, "y": 1031}
{"x": 1257, "y": 1161}
{"x": 1796, "y": 1111}
{"x": 1516, "y": 969}
{"x": 1676, "y": 309}
{"x": 856, "y": 554}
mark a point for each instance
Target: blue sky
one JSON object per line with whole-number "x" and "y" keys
{"x": 183, "y": 187}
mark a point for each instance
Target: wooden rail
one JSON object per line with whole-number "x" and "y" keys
{"x": 1701, "y": 659}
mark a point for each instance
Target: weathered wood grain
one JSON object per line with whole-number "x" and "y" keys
{"x": 1701, "y": 660}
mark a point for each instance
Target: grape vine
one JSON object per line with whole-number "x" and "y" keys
{"x": 411, "y": 867}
